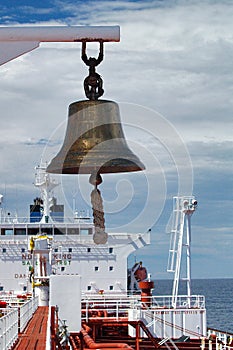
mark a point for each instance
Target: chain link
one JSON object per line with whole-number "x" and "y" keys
{"x": 93, "y": 83}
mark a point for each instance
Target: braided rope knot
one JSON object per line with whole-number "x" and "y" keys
{"x": 100, "y": 236}
{"x": 98, "y": 211}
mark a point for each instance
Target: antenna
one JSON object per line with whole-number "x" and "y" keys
{"x": 46, "y": 185}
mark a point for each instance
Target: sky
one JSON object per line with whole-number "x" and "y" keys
{"x": 171, "y": 74}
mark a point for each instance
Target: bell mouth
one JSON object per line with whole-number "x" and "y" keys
{"x": 117, "y": 165}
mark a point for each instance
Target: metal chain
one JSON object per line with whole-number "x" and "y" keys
{"x": 93, "y": 83}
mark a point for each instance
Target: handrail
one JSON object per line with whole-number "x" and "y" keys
{"x": 157, "y": 301}
{"x": 26, "y": 311}
{"x": 220, "y": 335}
{"x": 117, "y": 305}
{"x": 14, "y": 320}
{"x": 8, "y": 329}
{"x": 58, "y": 220}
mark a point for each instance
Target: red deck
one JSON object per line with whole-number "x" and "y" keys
{"x": 34, "y": 336}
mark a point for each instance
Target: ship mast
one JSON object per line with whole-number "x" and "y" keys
{"x": 183, "y": 208}
{"x": 45, "y": 184}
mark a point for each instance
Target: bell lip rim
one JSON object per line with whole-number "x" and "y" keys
{"x": 91, "y": 170}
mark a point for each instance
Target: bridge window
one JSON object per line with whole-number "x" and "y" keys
{"x": 9, "y": 232}
{"x": 60, "y": 231}
{"x": 47, "y": 230}
{"x": 73, "y": 231}
{"x": 33, "y": 231}
{"x": 20, "y": 232}
{"x": 84, "y": 231}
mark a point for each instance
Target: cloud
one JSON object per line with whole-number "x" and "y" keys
{"x": 215, "y": 156}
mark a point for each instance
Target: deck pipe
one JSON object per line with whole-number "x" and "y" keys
{"x": 92, "y": 345}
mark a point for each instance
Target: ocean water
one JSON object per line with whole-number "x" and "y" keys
{"x": 218, "y": 296}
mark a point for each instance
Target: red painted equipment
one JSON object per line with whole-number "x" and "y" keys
{"x": 146, "y": 287}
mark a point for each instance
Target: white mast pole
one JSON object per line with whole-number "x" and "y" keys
{"x": 183, "y": 208}
{"x": 188, "y": 255}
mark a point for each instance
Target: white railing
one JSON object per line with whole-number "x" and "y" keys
{"x": 111, "y": 311}
{"x": 8, "y": 328}
{"x": 183, "y": 301}
{"x": 114, "y": 296}
{"x": 14, "y": 320}
{"x": 55, "y": 220}
{"x": 119, "y": 304}
{"x": 26, "y": 311}
{"x": 113, "y": 306}
{"x": 225, "y": 337}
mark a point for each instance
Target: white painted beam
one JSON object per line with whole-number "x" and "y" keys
{"x": 16, "y": 41}
{"x": 60, "y": 33}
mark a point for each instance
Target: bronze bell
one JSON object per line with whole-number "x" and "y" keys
{"x": 94, "y": 141}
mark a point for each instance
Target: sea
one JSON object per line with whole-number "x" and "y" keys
{"x": 218, "y": 297}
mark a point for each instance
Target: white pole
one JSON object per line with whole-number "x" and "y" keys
{"x": 60, "y": 33}
{"x": 188, "y": 242}
{"x": 180, "y": 231}
{"x": 1, "y": 199}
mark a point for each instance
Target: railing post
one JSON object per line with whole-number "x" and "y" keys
{"x": 137, "y": 336}
{"x": 117, "y": 311}
{"x": 8, "y": 329}
{"x": 52, "y": 328}
{"x": 86, "y": 311}
{"x": 19, "y": 319}
{"x": 202, "y": 343}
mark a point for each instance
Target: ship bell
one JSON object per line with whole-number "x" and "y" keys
{"x": 94, "y": 141}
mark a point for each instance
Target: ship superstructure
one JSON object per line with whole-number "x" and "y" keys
{"x": 73, "y": 250}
